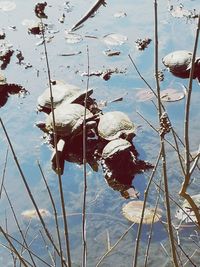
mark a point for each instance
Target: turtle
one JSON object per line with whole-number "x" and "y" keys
{"x": 118, "y": 161}
{"x": 118, "y": 156}
{"x": 61, "y": 92}
{"x": 69, "y": 120}
{"x": 115, "y": 147}
{"x": 179, "y": 64}
{"x": 115, "y": 124}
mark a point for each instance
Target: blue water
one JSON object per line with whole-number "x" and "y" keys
{"x": 19, "y": 116}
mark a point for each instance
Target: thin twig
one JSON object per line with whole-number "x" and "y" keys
{"x": 47, "y": 248}
{"x": 57, "y": 156}
{"x": 183, "y": 191}
{"x": 28, "y": 189}
{"x": 54, "y": 211}
{"x": 84, "y": 255}
{"x": 164, "y": 164}
{"x": 151, "y": 230}
{"x": 143, "y": 210}
{"x": 4, "y": 172}
{"x": 111, "y": 249}
{"x": 18, "y": 225}
{"x": 22, "y": 260}
{"x": 25, "y": 248}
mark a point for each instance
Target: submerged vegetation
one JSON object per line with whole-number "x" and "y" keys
{"x": 70, "y": 217}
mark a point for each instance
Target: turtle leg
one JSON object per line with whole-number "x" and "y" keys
{"x": 60, "y": 148}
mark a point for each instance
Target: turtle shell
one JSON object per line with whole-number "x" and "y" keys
{"x": 179, "y": 63}
{"x": 61, "y": 92}
{"x": 68, "y": 119}
{"x": 114, "y": 147}
{"x": 115, "y": 124}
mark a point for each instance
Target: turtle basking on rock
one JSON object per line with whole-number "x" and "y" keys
{"x": 120, "y": 163}
{"x": 61, "y": 92}
{"x": 179, "y": 64}
{"x": 115, "y": 124}
{"x": 69, "y": 120}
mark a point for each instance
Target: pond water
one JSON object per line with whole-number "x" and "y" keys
{"x": 19, "y": 115}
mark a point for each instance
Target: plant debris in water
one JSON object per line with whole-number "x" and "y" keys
{"x": 111, "y": 53}
{"x": 7, "y": 89}
{"x": 106, "y": 75}
{"x": 142, "y": 44}
{"x": 39, "y": 10}
{"x": 181, "y": 12}
{"x": 89, "y": 14}
{"x": 133, "y": 211}
{"x": 186, "y": 214}
{"x": 5, "y": 55}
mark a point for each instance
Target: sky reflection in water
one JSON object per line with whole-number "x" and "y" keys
{"x": 19, "y": 116}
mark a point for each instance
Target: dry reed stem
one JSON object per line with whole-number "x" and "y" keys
{"x": 66, "y": 233}
{"x": 54, "y": 211}
{"x": 14, "y": 250}
{"x": 164, "y": 163}
{"x": 4, "y": 172}
{"x": 14, "y": 258}
{"x": 25, "y": 248}
{"x": 136, "y": 250}
{"x": 28, "y": 189}
{"x": 151, "y": 230}
{"x": 18, "y": 225}
{"x": 112, "y": 247}
{"x": 84, "y": 235}
{"x": 47, "y": 248}
{"x": 186, "y": 182}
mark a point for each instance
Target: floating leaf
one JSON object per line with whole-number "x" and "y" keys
{"x": 142, "y": 44}
{"x": 120, "y": 14}
{"x": 180, "y": 12}
{"x": 7, "y": 5}
{"x": 186, "y": 211}
{"x": 171, "y": 95}
{"x": 133, "y": 210}
{"x": 73, "y": 38}
{"x": 114, "y": 39}
{"x": 111, "y": 53}
{"x": 144, "y": 95}
{"x": 32, "y": 214}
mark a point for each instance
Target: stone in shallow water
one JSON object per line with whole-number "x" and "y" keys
{"x": 133, "y": 210}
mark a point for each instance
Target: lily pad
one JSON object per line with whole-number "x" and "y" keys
{"x": 172, "y": 95}
{"x": 7, "y": 5}
{"x": 73, "y": 38}
{"x": 144, "y": 95}
{"x": 114, "y": 39}
{"x": 186, "y": 214}
{"x": 133, "y": 210}
{"x": 32, "y": 214}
